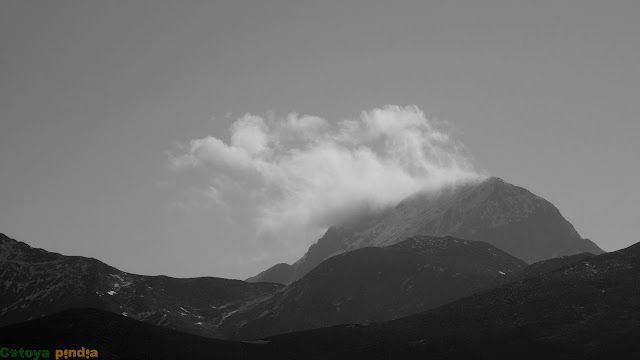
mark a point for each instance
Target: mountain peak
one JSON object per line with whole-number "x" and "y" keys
{"x": 37, "y": 283}
{"x": 491, "y": 210}
{"x": 17, "y": 251}
{"x": 495, "y": 180}
{"x": 381, "y": 283}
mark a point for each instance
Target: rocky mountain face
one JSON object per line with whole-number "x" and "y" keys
{"x": 34, "y": 283}
{"x": 586, "y": 309}
{"x": 506, "y": 216}
{"x": 359, "y": 272}
{"x": 361, "y": 286}
{"x": 381, "y": 283}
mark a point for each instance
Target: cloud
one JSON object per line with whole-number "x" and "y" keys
{"x": 214, "y": 195}
{"x": 306, "y": 172}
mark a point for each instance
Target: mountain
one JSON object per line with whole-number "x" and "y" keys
{"x": 588, "y": 309}
{"x": 361, "y": 286}
{"x": 547, "y": 266}
{"x": 115, "y": 336}
{"x": 380, "y": 283}
{"x": 280, "y": 273}
{"x": 492, "y": 210}
{"x": 34, "y": 283}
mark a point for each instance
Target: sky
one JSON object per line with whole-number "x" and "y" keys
{"x": 202, "y": 138}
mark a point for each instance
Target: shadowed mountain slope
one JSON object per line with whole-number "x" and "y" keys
{"x": 589, "y": 309}
{"x": 281, "y": 273}
{"x": 506, "y": 216}
{"x": 118, "y": 337}
{"x": 586, "y": 310}
{"x": 362, "y": 286}
{"x": 34, "y": 283}
{"x": 546, "y": 266}
{"x": 381, "y": 283}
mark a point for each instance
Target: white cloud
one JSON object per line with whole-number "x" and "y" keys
{"x": 307, "y": 173}
{"x": 214, "y": 195}
{"x": 250, "y": 134}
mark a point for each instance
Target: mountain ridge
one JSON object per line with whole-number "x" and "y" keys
{"x": 372, "y": 284}
{"x": 35, "y": 282}
{"x": 592, "y": 313}
{"x": 381, "y": 283}
{"x": 492, "y": 210}
{"x": 587, "y": 309}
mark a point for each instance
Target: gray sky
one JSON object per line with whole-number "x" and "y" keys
{"x": 96, "y": 98}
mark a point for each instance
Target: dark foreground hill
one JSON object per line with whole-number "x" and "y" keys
{"x": 547, "y": 266}
{"x": 363, "y": 286}
{"x": 34, "y": 282}
{"x": 589, "y": 309}
{"x": 118, "y": 337}
{"x": 507, "y": 216}
{"x": 381, "y": 283}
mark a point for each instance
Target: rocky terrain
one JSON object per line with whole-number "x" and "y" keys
{"x": 362, "y": 286}
{"x": 504, "y": 215}
{"x": 587, "y": 309}
{"x": 117, "y": 337}
{"x": 371, "y": 269}
{"x": 34, "y": 282}
{"x": 282, "y": 273}
{"x": 547, "y": 266}
{"x": 381, "y": 283}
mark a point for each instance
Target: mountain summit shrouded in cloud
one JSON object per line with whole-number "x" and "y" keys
{"x": 308, "y": 172}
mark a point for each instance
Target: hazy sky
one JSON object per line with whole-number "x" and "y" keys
{"x": 103, "y": 106}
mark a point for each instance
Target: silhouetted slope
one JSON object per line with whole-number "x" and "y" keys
{"x": 507, "y": 216}
{"x": 280, "y": 274}
{"x": 381, "y": 283}
{"x": 546, "y": 266}
{"x": 587, "y": 310}
{"x": 118, "y": 337}
{"x": 34, "y": 282}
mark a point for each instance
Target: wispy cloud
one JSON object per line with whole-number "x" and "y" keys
{"x": 306, "y": 172}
